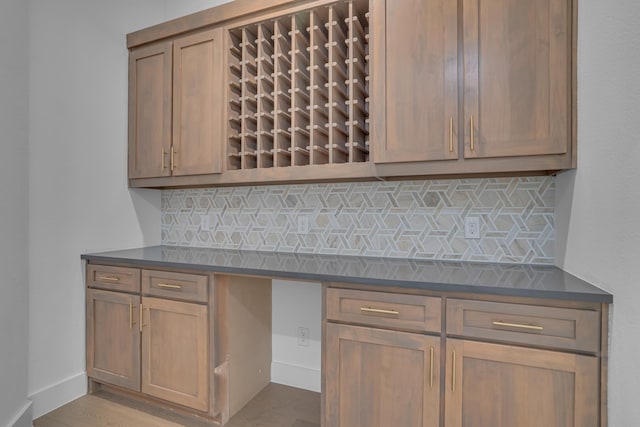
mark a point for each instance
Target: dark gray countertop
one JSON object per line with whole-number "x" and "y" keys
{"x": 496, "y": 279}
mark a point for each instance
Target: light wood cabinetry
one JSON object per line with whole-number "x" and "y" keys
{"x": 517, "y": 61}
{"x": 341, "y": 90}
{"x": 157, "y": 346}
{"x": 113, "y": 338}
{"x": 377, "y": 378}
{"x": 198, "y": 96}
{"x": 414, "y": 80}
{"x": 511, "y": 72}
{"x": 495, "y": 362}
{"x": 175, "y": 352}
{"x": 199, "y": 343}
{"x": 175, "y": 107}
{"x": 150, "y": 109}
{"x": 382, "y": 309}
{"x": 502, "y": 386}
{"x": 547, "y": 327}
{"x": 375, "y": 374}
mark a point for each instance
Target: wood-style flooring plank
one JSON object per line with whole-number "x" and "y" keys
{"x": 275, "y": 406}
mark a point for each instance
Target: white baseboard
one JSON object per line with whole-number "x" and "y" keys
{"x": 54, "y": 396}
{"x": 295, "y": 376}
{"x": 24, "y": 417}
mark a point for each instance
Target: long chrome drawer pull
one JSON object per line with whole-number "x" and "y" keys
{"x": 518, "y": 325}
{"x": 164, "y": 285}
{"x": 379, "y": 311}
{"x": 109, "y": 278}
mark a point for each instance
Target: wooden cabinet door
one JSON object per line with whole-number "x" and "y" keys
{"x": 113, "y": 338}
{"x": 198, "y": 100}
{"x": 491, "y": 385}
{"x": 380, "y": 378}
{"x": 517, "y": 77}
{"x": 414, "y": 72}
{"x": 150, "y": 111}
{"x": 175, "y": 352}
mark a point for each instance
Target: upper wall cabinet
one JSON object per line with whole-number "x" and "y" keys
{"x": 415, "y": 80}
{"x": 291, "y": 91}
{"x": 150, "y": 111}
{"x": 516, "y": 77}
{"x": 175, "y": 107}
{"x": 492, "y": 96}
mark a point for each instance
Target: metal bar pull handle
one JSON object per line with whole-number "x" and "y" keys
{"x": 431, "y": 367}
{"x": 164, "y": 153}
{"x": 453, "y": 371}
{"x": 173, "y": 162}
{"x": 109, "y": 278}
{"x": 167, "y": 286}
{"x": 473, "y": 148}
{"x": 130, "y": 315}
{"x": 379, "y": 311}
{"x": 451, "y": 134}
{"x": 141, "y": 317}
{"x": 518, "y": 325}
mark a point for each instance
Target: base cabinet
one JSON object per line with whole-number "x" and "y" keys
{"x": 113, "y": 338}
{"x": 175, "y": 352}
{"x": 197, "y": 343}
{"x": 502, "y": 386}
{"x": 377, "y": 378}
{"x": 377, "y": 373}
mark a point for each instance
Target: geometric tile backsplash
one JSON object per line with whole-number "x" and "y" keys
{"x": 406, "y": 219}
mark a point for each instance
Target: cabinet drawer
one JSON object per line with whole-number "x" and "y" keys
{"x": 182, "y": 286}
{"x": 113, "y": 278}
{"x": 561, "y": 328}
{"x": 387, "y": 310}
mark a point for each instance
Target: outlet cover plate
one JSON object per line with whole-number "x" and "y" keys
{"x": 472, "y": 227}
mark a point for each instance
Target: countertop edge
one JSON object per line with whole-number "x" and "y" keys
{"x": 603, "y": 297}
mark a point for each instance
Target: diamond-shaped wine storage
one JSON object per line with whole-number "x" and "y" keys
{"x": 298, "y": 89}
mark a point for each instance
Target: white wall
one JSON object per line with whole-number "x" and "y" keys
{"x": 78, "y": 195}
{"x": 14, "y": 177}
{"x": 598, "y": 206}
{"x": 78, "y": 199}
{"x": 296, "y": 304}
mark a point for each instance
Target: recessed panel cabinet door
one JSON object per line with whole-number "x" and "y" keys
{"x": 491, "y": 385}
{"x": 113, "y": 338}
{"x": 198, "y": 101}
{"x": 175, "y": 352}
{"x": 516, "y": 77}
{"x": 380, "y": 378}
{"x": 150, "y": 111}
{"x": 414, "y": 72}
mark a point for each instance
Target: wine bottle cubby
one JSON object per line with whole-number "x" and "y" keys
{"x": 298, "y": 89}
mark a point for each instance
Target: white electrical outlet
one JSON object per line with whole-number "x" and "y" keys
{"x": 303, "y": 224}
{"x": 472, "y": 227}
{"x": 303, "y": 336}
{"x": 204, "y": 222}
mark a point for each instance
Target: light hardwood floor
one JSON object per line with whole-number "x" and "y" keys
{"x": 275, "y": 406}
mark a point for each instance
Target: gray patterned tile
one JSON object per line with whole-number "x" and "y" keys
{"x": 410, "y": 219}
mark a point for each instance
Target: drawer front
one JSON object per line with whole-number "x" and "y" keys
{"x": 113, "y": 278}
{"x": 182, "y": 286}
{"x": 387, "y": 310}
{"x": 561, "y": 328}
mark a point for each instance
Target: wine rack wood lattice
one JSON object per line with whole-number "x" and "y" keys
{"x": 298, "y": 89}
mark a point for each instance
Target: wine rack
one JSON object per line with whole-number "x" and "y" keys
{"x": 299, "y": 89}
